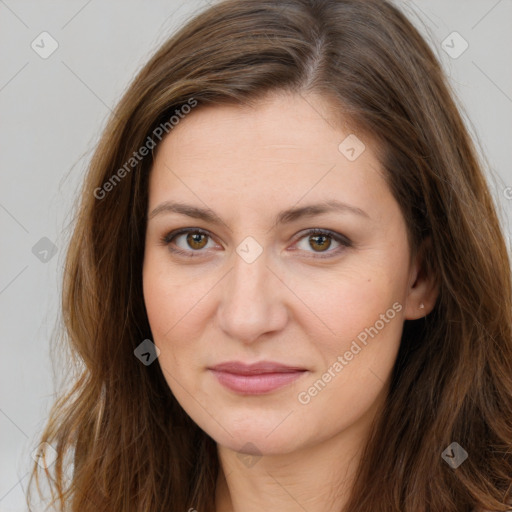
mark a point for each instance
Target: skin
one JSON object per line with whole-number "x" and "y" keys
{"x": 290, "y": 305}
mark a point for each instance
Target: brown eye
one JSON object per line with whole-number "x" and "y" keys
{"x": 320, "y": 242}
{"x": 187, "y": 242}
{"x": 196, "y": 240}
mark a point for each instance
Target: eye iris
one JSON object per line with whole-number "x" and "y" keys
{"x": 195, "y": 240}
{"x": 323, "y": 238}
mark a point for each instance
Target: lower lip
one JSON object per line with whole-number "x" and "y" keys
{"x": 256, "y": 384}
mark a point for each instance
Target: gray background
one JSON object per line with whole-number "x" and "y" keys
{"x": 53, "y": 111}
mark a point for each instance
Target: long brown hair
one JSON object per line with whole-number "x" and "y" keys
{"x": 132, "y": 445}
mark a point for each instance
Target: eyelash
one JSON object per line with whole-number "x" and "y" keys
{"x": 344, "y": 241}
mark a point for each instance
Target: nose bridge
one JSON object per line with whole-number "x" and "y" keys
{"x": 251, "y": 303}
{"x": 249, "y": 277}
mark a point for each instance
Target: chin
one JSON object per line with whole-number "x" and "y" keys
{"x": 258, "y": 444}
{"x": 256, "y": 435}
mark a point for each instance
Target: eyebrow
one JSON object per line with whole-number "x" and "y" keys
{"x": 283, "y": 217}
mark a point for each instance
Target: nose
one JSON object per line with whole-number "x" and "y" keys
{"x": 253, "y": 300}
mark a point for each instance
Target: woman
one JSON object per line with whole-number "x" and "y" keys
{"x": 287, "y": 286}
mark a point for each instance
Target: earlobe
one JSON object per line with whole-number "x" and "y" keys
{"x": 424, "y": 287}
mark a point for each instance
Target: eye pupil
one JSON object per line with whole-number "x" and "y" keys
{"x": 195, "y": 240}
{"x": 316, "y": 238}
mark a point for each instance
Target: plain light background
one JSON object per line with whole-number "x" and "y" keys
{"x": 52, "y": 112}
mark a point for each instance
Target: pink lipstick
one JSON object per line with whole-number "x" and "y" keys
{"x": 256, "y": 378}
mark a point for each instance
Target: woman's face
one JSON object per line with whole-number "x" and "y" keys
{"x": 322, "y": 312}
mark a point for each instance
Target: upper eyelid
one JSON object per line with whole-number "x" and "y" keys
{"x": 178, "y": 232}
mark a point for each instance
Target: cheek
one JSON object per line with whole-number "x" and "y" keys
{"x": 355, "y": 336}
{"x": 173, "y": 297}
{"x": 161, "y": 298}
{"x": 176, "y": 305}
{"x": 340, "y": 305}
{"x": 355, "y": 364}
{"x": 363, "y": 309}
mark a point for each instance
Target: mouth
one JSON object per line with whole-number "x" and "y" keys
{"x": 257, "y": 378}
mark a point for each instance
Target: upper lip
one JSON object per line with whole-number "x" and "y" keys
{"x": 239, "y": 368}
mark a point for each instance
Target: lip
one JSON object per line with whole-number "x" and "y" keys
{"x": 257, "y": 378}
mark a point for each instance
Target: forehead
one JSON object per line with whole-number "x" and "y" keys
{"x": 282, "y": 123}
{"x": 283, "y": 150}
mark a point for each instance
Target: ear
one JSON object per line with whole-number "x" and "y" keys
{"x": 423, "y": 287}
